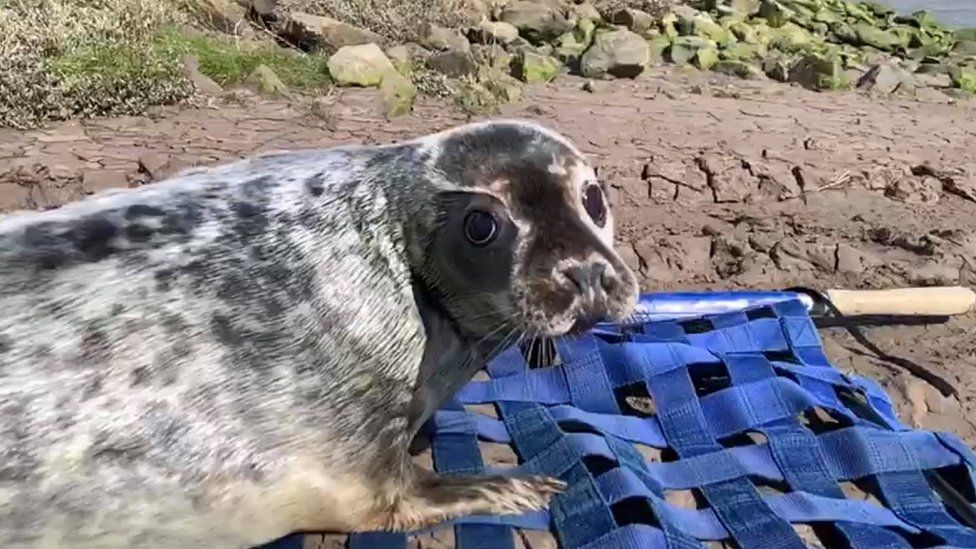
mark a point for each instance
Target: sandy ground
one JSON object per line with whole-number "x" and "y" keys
{"x": 717, "y": 184}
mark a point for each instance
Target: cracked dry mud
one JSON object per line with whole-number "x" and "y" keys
{"x": 716, "y": 185}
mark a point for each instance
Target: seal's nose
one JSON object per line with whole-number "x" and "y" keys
{"x": 589, "y": 278}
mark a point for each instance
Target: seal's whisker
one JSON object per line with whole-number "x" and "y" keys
{"x": 504, "y": 343}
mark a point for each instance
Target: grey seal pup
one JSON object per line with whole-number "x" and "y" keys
{"x": 247, "y": 350}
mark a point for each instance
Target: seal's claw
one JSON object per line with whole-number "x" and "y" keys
{"x": 439, "y": 498}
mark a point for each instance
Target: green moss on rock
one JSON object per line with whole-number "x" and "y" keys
{"x": 533, "y": 67}
{"x": 738, "y": 68}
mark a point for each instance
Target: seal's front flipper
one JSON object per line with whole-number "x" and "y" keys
{"x": 439, "y": 498}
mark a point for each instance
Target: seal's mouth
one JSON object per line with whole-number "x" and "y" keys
{"x": 573, "y": 323}
{"x": 582, "y": 325}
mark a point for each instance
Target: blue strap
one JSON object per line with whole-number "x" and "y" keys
{"x": 565, "y": 421}
{"x": 910, "y": 497}
{"x": 457, "y": 453}
{"x": 377, "y": 540}
{"x": 736, "y": 502}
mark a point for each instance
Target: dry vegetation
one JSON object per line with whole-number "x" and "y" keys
{"x": 87, "y": 57}
{"x": 397, "y": 20}
{"x": 69, "y": 58}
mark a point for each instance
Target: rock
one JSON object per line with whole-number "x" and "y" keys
{"x": 264, "y": 8}
{"x": 398, "y": 93}
{"x": 934, "y": 68}
{"x": 503, "y": 86}
{"x": 668, "y": 25}
{"x": 777, "y": 66}
{"x": 744, "y": 8}
{"x": 742, "y": 52}
{"x": 473, "y": 12}
{"x": 935, "y": 80}
{"x": 869, "y": 35}
{"x": 585, "y": 11}
{"x": 619, "y": 53}
{"x": 741, "y": 69}
{"x": 536, "y": 21}
{"x": 401, "y": 59}
{"x": 266, "y": 82}
{"x": 827, "y": 16}
{"x": 706, "y": 58}
{"x": 493, "y": 32}
{"x": 453, "y": 64}
{"x": 791, "y": 38}
{"x": 440, "y": 39}
{"x": 682, "y": 18}
{"x": 775, "y": 13}
{"x": 532, "y": 67}
{"x": 317, "y": 32}
{"x": 544, "y": 49}
{"x": 919, "y": 19}
{"x": 744, "y": 32}
{"x": 363, "y": 65}
{"x": 684, "y": 48}
{"x": 225, "y": 15}
{"x": 706, "y": 28}
{"x": 886, "y": 78}
{"x": 964, "y": 78}
{"x": 591, "y": 86}
{"x": 965, "y": 47}
{"x": 818, "y": 73}
{"x": 572, "y": 45}
{"x": 656, "y": 48}
{"x": 635, "y": 20}
{"x": 203, "y": 83}
{"x": 494, "y": 56}
{"x": 475, "y": 98}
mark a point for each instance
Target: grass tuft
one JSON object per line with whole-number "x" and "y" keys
{"x": 228, "y": 62}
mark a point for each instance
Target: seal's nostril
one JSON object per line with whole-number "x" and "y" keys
{"x": 607, "y": 282}
{"x": 588, "y": 278}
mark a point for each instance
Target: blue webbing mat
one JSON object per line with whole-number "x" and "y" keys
{"x": 757, "y": 368}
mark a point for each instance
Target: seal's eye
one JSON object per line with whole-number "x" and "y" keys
{"x": 594, "y": 204}
{"x": 480, "y": 228}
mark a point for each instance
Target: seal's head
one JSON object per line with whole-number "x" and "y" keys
{"x": 524, "y": 238}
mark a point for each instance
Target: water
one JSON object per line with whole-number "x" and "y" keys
{"x": 953, "y": 13}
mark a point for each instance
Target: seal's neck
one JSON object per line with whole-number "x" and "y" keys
{"x": 450, "y": 357}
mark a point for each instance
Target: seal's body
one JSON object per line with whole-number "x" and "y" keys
{"x": 245, "y": 351}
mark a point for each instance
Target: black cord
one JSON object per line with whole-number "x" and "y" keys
{"x": 834, "y": 318}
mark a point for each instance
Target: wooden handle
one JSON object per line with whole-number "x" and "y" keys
{"x": 934, "y": 301}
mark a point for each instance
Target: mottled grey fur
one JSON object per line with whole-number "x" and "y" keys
{"x": 244, "y": 351}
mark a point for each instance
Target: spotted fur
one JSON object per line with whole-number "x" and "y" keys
{"x": 247, "y": 350}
